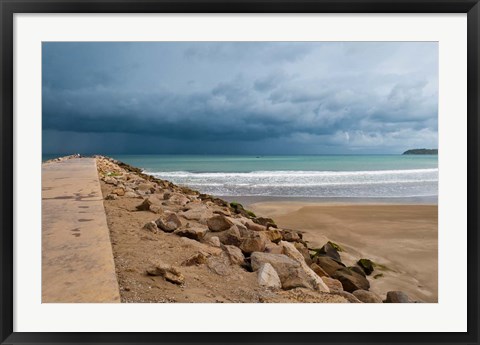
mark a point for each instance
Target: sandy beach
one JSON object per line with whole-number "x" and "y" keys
{"x": 401, "y": 238}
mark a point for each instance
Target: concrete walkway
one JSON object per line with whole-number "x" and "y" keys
{"x": 77, "y": 259}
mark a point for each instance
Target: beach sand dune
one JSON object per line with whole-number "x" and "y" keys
{"x": 402, "y": 239}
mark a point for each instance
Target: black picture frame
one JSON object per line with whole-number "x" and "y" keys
{"x": 10, "y": 7}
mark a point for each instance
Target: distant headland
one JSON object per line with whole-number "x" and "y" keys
{"x": 421, "y": 152}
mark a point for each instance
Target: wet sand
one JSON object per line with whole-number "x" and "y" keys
{"x": 403, "y": 239}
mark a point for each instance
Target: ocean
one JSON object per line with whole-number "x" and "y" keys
{"x": 309, "y": 176}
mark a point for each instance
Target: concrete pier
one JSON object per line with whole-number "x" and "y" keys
{"x": 77, "y": 259}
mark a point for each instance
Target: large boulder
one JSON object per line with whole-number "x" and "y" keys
{"x": 318, "y": 270}
{"x": 254, "y": 226}
{"x": 195, "y": 233}
{"x": 351, "y": 280}
{"x": 231, "y": 236}
{"x": 273, "y": 248}
{"x": 110, "y": 180}
{"x": 169, "y": 222}
{"x": 267, "y": 222}
{"x": 238, "y": 209}
{"x": 367, "y": 296}
{"x": 329, "y": 250}
{"x": 292, "y": 252}
{"x": 333, "y": 284}
{"x": 328, "y": 264}
{"x": 234, "y": 254}
{"x": 219, "y": 264}
{"x": 358, "y": 270}
{"x": 239, "y": 223}
{"x": 213, "y": 241}
{"x": 366, "y": 265}
{"x": 304, "y": 251}
{"x": 146, "y": 188}
{"x": 268, "y": 277}
{"x": 289, "y": 271}
{"x": 291, "y": 236}
{"x": 178, "y": 199}
{"x": 152, "y": 204}
{"x": 219, "y": 223}
{"x": 397, "y": 297}
{"x": 273, "y": 235}
{"x": 197, "y": 212}
{"x": 253, "y": 244}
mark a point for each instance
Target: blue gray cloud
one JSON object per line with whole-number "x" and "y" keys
{"x": 239, "y": 97}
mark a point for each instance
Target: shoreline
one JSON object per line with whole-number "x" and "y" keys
{"x": 249, "y": 200}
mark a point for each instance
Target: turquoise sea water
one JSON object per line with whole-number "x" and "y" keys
{"x": 322, "y": 176}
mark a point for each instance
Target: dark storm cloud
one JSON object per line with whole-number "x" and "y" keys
{"x": 249, "y": 97}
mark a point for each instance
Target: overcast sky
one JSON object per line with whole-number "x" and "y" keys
{"x": 240, "y": 97}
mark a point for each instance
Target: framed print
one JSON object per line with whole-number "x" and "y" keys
{"x": 239, "y": 172}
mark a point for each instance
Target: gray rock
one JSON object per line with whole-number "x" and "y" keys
{"x": 234, "y": 254}
{"x": 273, "y": 235}
{"x": 329, "y": 250}
{"x": 304, "y": 251}
{"x": 110, "y": 180}
{"x": 169, "y": 222}
{"x": 254, "y": 226}
{"x": 333, "y": 284}
{"x": 359, "y": 270}
{"x": 273, "y": 248}
{"x": 318, "y": 270}
{"x": 290, "y": 236}
{"x": 397, "y": 297}
{"x": 289, "y": 271}
{"x": 291, "y": 251}
{"x": 268, "y": 222}
{"x": 197, "y": 212}
{"x": 351, "y": 280}
{"x": 366, "y": 265}
{"x": 178, "y": 199}
{"x": 268, "y": 277}
{"x": 214, "y": 241}
{"x": 231, "y": 236}
{"x": 219, "y": 264}
{"x": 219, "y": 223}
{"x": 253, "y": 244}
{"x": 282, "y": 263}
{"x": 150, "y": 187}
{"x": 152, "y": 204}
{"x": 328, "y": 264}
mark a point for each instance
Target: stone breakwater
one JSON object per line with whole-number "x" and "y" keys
{"x": 209, "y": 245}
